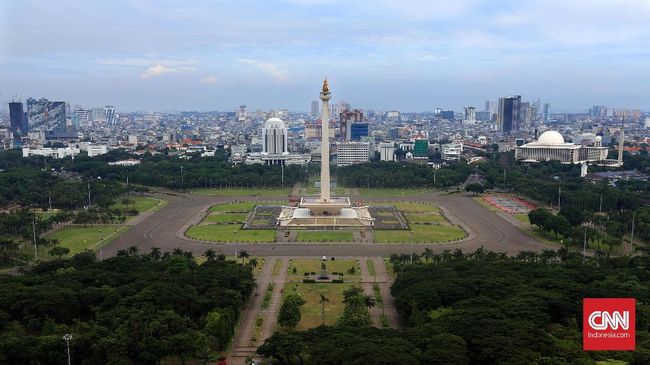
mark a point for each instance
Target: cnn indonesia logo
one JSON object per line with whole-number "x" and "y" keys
{"x": 608, "y": 324}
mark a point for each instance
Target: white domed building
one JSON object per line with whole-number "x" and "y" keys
{"x": 550, "y": 146}
{"x": 275, "y": 147}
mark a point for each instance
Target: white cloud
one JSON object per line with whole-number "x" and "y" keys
{"x": 268, "y": 68}
{"x": 210, "y": 80}
{"x": 159, "y": 69}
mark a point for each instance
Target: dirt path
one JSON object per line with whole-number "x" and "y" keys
{"x": 271, "y": 314}
{"x": 366, "y": 281}
{"x": 384, "y": 281}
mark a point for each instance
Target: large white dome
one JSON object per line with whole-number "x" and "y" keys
{"x": 275, "y": 123}
{"x": 550, "y": 137}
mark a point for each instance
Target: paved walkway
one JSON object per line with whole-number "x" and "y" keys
{"x": 243, "y": 345}
{"x": 366, "y": 281}
{"x": 385, "y": 281}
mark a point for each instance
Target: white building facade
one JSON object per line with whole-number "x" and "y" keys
{"x": 350, "y": 153}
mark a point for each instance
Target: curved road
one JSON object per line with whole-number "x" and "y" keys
{"x": 163, "y": 229}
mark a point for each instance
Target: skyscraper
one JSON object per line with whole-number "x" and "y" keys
{"x": 469, "y": 115}
{"x": 347, "y": 118}
{"x": 109, "y": 114}
{"x": 547, "y": 112}
{"x": 17, "y": 118}
{"x": 314, "y": 108}
{"x": 509, "y": 116}
{"x": 46, "y": 115}
{"x": 274, "y": 137}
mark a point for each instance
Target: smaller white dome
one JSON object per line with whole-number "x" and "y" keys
{"x": 599, "y": 138}
{"x": 275, "y": 123}
{"x": 550, "y": 138}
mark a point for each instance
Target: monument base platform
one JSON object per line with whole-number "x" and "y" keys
{"x": 337, "y": 212}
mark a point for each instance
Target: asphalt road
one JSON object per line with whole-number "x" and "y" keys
{"x": 164, "y": 229}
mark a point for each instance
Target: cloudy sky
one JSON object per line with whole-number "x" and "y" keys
{"x": 410, "y": 55}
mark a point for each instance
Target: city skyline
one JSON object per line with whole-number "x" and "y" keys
{"x": 383, "y": 55}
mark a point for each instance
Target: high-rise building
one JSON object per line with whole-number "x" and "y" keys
{"x": 347, "y": 118}
{"x": 45, "y": 115}
{"x": 547, "y": 112}
{"x": 17, "y": 119}
{"x": 447, "y": 114}
{"x": 483, "y": 116}
{"x": 489, "y": 106}
{"x": 350, "y": 153}
{"x": 387, "y": 151}
{"x": 339, "y": 107}
{"x": 598, "y": 111}
{"x": 358, "y": 131}
{"x": 274, "y": 137}
{"x": 109, "y": 114}
{"x": 241, "y": 112}
{"x": 527, "y": 113}
{"x": 315, "y": 106}
{"x": 469, "y": 116}
{"x": 421, "y": 149}
{"x": 509, "y": 115}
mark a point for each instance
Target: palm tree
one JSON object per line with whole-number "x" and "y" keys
{"x": 323, "y": 300}
{"x": 428, "y": 254}
{"x": 210, "y": 254}
{"x": 155, "y": 253}
{"x": 132, "y": 251}
{"x": 252, "y": 262}
{"x": 243, "y": 255}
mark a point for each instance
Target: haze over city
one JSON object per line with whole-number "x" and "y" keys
{"x": 408, "y": 56}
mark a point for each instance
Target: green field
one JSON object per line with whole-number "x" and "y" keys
{"x": 522, "y": 218}
{"x": 243, "y": 192}
{"x": 140, "y": 203}
{"x": 390, "y": 192}
{"x": 239, "y": 207}
{"x": 331, "y": 236}
{"x": 78, "y": 239}
{"x": 311, "y": 311}
{"x": 420, "y": 233}
{"x": 225, "y": 218}
{"x": 229, "y": 233}
{"x": 427, "y": 225}
{"x": 313, "y": 265}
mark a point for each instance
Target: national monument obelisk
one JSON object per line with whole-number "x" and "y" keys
{"x": 325, "y": 97}
{"x": 325, "y": 212}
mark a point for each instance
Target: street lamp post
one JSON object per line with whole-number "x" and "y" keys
{"x": 67, "y": 339}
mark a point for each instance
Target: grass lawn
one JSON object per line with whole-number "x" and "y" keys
{"x": 371, "y": 267}
{"x": 420, "y": 233}
{"x": 225, "y": 218}
{"x": 239, "y": 207}
{"x": 390, "y": 192}
{"x": 522, "y": 218}
{"x": 140, "y": 203}
{"x": 311, "y": 311}
{"x": 243, "y": 192}
{"x": 313, "y": 265}
{"x": 78, "y": 239}
{"x": 229, "y": 233}
{"x": 389, "y": 268}
{"x": 441, "y": 231}
{"x": 328, "y": 236}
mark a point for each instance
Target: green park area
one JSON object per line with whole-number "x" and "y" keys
{"x": 77, "y": 239}
{"x": 348, "y": 266}
{"x": 139, "y": 203}
{"x": 244, "y": 192}
{"x": 224, "y": 223}
{"x": 390, "y": 192}
{"x": 427, "y": 225}
{"x": 311, "y": 312}
{"x": 324, "y": 236}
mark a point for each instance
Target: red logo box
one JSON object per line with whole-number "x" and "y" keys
{"x": 608, "y": 324}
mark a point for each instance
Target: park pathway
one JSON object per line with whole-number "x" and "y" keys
{"x": 242, "y": 345}
{"x": 271, "y": 314}
{"x": 366, "y": 281}
{"x": 385, "y": 281}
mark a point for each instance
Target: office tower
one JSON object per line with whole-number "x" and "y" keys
{"x": 537, "y": 103}
{"x": 339, "y": 107}
{"x": 45, "y": 115}
{"x": 314, "y": 108}
{"x": 547, "y": 112}
{"x": 483, "y": 116}
{"x": 489, "y": 106}
{"x": 350, "y": 153}
{"x": 469, "y": 115}
{"x": 509, "y": 116}
{"x": 447, "y": 114}
{"x": 347, "y": 119}
{"x": 109, "y": 114}
{"x": 17, "y": 119}
{"x": 358, "y": 131}
{"x": 598, "y": 111}
{"x": 274, "y": 137}
{"x": 527, "y": 113}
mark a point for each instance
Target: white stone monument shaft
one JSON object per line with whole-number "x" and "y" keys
{"x": 325, "y": 96}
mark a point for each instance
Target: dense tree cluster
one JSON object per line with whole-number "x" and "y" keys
{"x": 383, "y": 174}
{"x": 131, "y": 308}
{"x": 289, "y": 315}
{"x": 521, "y": 310}
{"x": 177, "y": 172}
